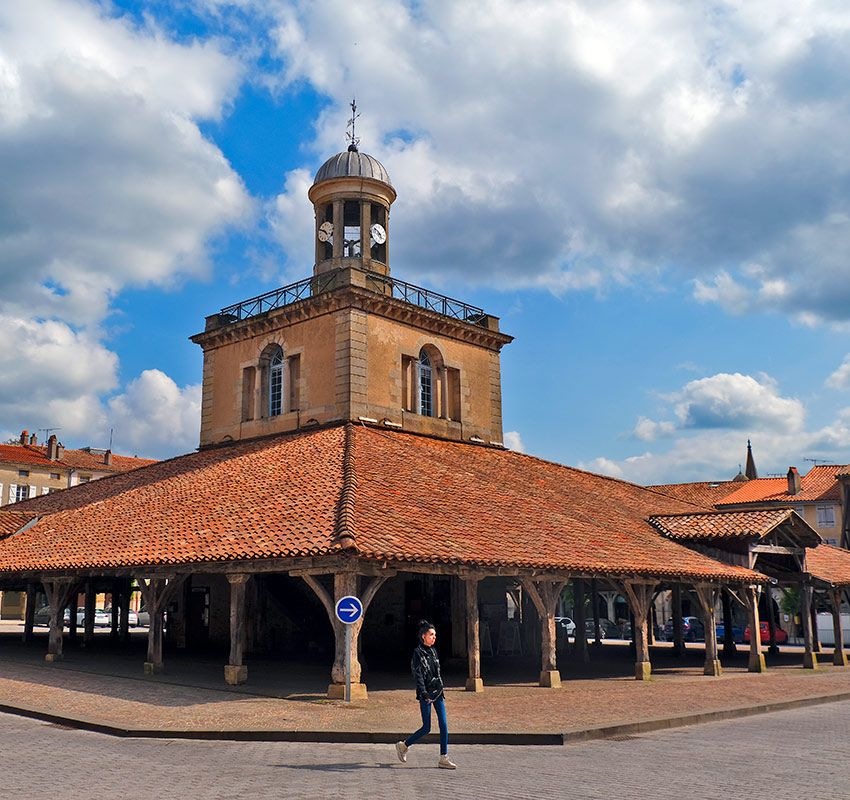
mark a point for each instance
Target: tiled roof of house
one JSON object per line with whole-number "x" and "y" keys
{"x": 819, "y": 483}
{"x": 398, "y": 496}
{"x": 723, "y": 524}
{"x": 75, "y": 459}
{"x": 829, "y": 563}
{"x": 703, "y": 493}
{"x": 12, "y": 521}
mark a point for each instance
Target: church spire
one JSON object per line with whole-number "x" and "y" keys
{"x": 751, "y": 471}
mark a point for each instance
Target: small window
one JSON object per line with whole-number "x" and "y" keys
{"x": 23, "y": 473}
{"x": 276, "y": 384}
{"x": 84, "y": 478}
{"x": 22, "y": 492}
{"x": 55, "y": 476}
{"x": 826, "y": 516}
{"x": 426, "y": 387}
{"x": 249, "y": 377}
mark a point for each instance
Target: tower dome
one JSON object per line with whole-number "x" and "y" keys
{"x": 352, "y": 163}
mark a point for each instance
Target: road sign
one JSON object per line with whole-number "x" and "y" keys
{"x": 349, "y": 609}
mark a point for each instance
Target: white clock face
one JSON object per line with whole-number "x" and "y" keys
{"x": 378, "y": 233}
{"x": 326, "y": 231}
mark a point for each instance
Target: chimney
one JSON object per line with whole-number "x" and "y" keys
{"x": 794, "y": 483}
{"x": 107, "y": 458}
{"x": 25, "y": 436}
{"x": 53, "y": 448}
{"x": 33, "y": 440}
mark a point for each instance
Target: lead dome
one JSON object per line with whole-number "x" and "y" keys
{"x": 352, "y": 163}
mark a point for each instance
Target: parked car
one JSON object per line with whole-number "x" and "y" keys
{"x": 42, "y": 617}
{"x": 143, "y": 618}
{"x": 692, "y": 629}
{"x": 102, "y": 618}
{"x": 564, "y": 622}
{"x": 132, "y": 619}
{"x": 737, "y": 632}
{"x": 764, "y": 630}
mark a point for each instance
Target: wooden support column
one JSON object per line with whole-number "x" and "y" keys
{"x": 473, "y": 639}
{"x": 773, "y": 647}
{"x": 345, "y": 583}
{"x": 72, "y": 615}
{"x": 58, "y": 591}
{"x": 29, "y": 614}
{"x": 458, "y": 603}
{"x": 580, "y": 621}
{"x": 594, "y": 601}
{"x": 545, "y": 596}
{"x": 678, "y": 627}
{"x": 814, "y": 614}
{"x": 157, "y": 592}
{"x": 810, "y": 659}
{"x": 729, "y": 648}
{"x": 756, "y": 662}
{"x": 707, "y": 596}
{"x": 640, "y": 597}
{"x": 839, "y": 657}
{"x": 115, "y": 620}
{"x": 88, "y": 614}
{"x": 124, "y": 611}
{"x": 235, "y": 672}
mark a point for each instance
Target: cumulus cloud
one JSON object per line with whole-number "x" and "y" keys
{"x": 513, "y": 441}
{"x": 107, "y": 183}
{"x": 598, "y": 140}
{"x": 840, "y": 379}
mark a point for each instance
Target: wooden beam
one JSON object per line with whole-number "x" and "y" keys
{"x": 473, "y": 640}
{"x": 707, "y": 597}
{"x": 640, "y": 596}
{"x": 776, "y": 549}
{"x": 810, "y": 659}
{"x": 756, "y": 661}
{"x": 235, "y": 671}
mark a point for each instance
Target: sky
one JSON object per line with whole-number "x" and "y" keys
{"x": 654, "y": 197}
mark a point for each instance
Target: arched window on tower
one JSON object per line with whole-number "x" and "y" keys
{"x": 276, "y": 383}
{"x": 426, "y": 385}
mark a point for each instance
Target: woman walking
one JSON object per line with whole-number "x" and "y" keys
{"x": 425, "y": 665}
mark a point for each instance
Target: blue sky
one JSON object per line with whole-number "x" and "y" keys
{"x": 654, "y": 198}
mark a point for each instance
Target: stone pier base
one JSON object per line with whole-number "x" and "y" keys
{"x": 235, "y": 675}
{"x": 474, "y": 685}
{"x": 550, "y": 678}
{"x": 154, "y": 668}
{"x": 643, "y": 670}
{"x": 336, "y": 691}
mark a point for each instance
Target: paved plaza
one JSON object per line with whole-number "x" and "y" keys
{"x": 785, "y": 755}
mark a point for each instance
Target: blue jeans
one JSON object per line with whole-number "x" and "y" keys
{"x": 425, "y": 707}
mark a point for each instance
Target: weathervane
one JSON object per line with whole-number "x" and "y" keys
{"x": 353, "y": 140}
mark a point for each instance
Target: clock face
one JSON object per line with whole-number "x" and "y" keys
{"x": 326, "y": 231}
{"x": 378, "y": 233}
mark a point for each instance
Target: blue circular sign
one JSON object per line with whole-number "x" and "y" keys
{"x": 349, "y": 609}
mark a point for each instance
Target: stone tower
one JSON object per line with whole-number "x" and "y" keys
{"x": 351, "y": 342}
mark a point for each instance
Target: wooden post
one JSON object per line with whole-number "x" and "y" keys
{"x": 458, "y": 603}
{"x": 580, "y": 621}
{"x": 473, "y": 641}
{"x": 157, "y": 592}
{"x": 640, "y": 597}
{"x": 235, "y": 672}
{"x": 58, "y": 591}
{"x": 346, "y": 646}
{"x": 810, "y": 659}
{"x": 73, "y": 599}
{"x": 124, "y": 614}
{"x": 814, "y": 614}
{"x": 545, "y": 596}
{"x": 707, "y": 596}
{"x": 773, "y": 648}
{"x": 678, "y": 627}
{"x": 650, "y": 623}
{"x": 756, "y": 662}
{"x": 594, "y": 602}
{"x": 729, "y": 648}
{"x": 115, "y": 621}
{"x": 839, "y": 657}
{"x": 29, "y": 614}
{"x": 88, "y": 615}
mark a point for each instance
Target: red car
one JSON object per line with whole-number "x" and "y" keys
{"x": 764, "y": 630}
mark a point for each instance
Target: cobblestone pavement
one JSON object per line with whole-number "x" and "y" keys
{"x": 785, "y": 755}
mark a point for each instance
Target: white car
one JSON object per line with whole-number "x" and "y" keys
{"x": 567, "y": 624}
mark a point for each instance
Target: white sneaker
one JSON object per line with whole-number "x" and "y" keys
{"x": 401, "y": 751}
{"x": 444, "y": 763}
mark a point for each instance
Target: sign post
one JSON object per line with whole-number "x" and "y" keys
{"x": 349, "y": 610}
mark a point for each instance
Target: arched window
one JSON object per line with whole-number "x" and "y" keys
{"x": 276, "y": 383}
{"x": 426, "y": 385}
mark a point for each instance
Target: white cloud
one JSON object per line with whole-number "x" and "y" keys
{"x": 155, "y": 417}
{"x": 840, "y": 379}
{"x": 513, "y": 441}
{"x": 599, "y": 140}
{"x": 648, "y": 430}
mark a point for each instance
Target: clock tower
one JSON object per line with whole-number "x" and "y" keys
{"x": 352, "y": 342}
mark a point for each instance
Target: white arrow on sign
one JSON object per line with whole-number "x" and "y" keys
{"x": 349, "y": 609}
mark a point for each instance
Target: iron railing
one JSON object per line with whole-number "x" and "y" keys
{"x": 382, "y": 284}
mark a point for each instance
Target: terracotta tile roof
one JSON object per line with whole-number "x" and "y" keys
{"x": 701, "y": 493}
{"x": 722, "y": 524}
{"x": 75, "y": 459}
{"x": 829, "y": 563}
{"x": 13, "y": 521}
{"x": 399, "y": 496}
{"x": 819, "y": 483}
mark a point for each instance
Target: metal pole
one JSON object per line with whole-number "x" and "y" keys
{"x": 348, "y": 663}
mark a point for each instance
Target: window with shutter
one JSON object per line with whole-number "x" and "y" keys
{"x": 33, "y": 491}
{"x": 2, "y": 496}
{"x": 21, "y": 492}
{"x": 45, "y": 490}
{"x": 13, "y": 492}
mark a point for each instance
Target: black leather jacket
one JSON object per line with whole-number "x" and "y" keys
{"x": 425, "y": 666}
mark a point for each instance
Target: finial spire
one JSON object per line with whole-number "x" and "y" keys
{"x": 352, "y": 139}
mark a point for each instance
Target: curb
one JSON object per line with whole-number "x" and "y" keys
{"x": 385, "y": 737}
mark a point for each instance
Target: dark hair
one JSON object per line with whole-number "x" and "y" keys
{"x": 424, "y": 627}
